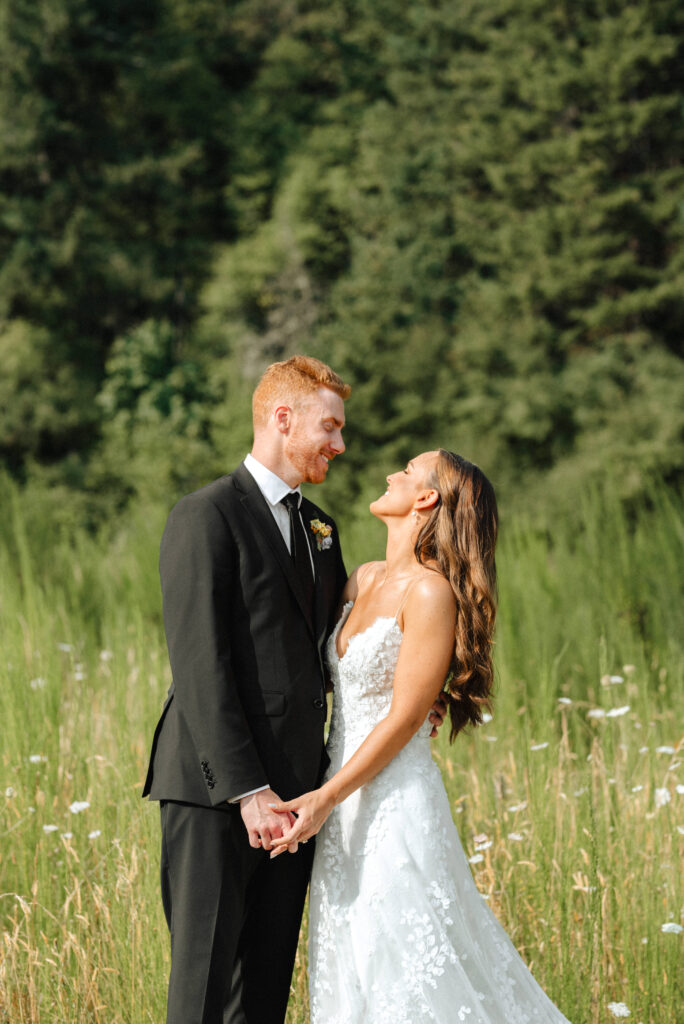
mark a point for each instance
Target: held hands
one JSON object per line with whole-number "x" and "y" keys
{"x": 311, "y": 810}
{"x": 438, "y": 714}
{"x": 263, "y": 824}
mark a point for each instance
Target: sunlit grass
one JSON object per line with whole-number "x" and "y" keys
{"x": 569, "y": 802}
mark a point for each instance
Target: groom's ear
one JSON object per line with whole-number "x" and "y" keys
{"x": 427, "y": 499}
{"x": 283, "y": 418}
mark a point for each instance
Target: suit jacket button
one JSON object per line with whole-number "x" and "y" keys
{"x": 318, "y": 703}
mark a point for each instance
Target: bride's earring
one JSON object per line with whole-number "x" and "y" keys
{"x": 414, "y": 514}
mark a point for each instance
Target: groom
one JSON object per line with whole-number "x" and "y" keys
{"x": 251, "y": 575}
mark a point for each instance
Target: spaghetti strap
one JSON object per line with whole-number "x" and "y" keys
{"x": 362, "y": 575}
{"x": 403, "y": 600}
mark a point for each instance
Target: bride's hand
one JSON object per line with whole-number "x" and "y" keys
{"x": 438, "y": 713}
{"x": 311, "y": 810}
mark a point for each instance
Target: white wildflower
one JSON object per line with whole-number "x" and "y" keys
{"x": 672, "y": 928}
{"x": 515, "y": 837}
{"x": 79, "y": 805}
{"x": 680, "y": 828}
{"x": 481, "y": 837}
{"x": 484, "y": 846}
{"x": 596, "y": 713}
{"x": 37, "y": 758}
{"x": 539, "y": 746}
{"x": 617, "y": 712}
{"x": 618, "y": 1009}
{"x": 665, "y": 750}
{"x": 486, "y": 717}
{"x": 491, "y": 739}
{"x": 662, "y": 797}
{"x": 564, "y": 700}
{"x": 629, "y": 670}
{"x": 680, "y": 788}
{"x": 518, "y": 807}
{"x": 65, "y": 647}
{"x": 580, "y": 792}
{"x": 94, "y": 834}
{"x": 9, "y": 792}
{"x": 477, "y": 858}
{"x": 106, "y": 655}
{"x": 637, "y": 789}
{"x": 50, "y": 828}
{"x": 643, "y": 750}
{"x": 67, "y": 835}
{"x": 38, "y": 683}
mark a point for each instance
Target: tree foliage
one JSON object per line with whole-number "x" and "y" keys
{"x": 474, "y": 212}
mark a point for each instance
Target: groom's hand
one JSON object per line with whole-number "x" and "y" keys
{"x": 262, "y": 823}
{"x": 438, "y": 714}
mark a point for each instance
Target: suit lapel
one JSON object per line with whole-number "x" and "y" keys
{"x": 260, "y": 514}
{"x": 310, "y": 512}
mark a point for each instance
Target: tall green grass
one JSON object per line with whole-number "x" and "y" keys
{"x": 569, "y": 808}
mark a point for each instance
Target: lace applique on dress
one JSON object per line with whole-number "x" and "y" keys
{"x": 398, "y": 931}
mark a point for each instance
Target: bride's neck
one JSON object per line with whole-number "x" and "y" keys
{"x": 400, "y": 557}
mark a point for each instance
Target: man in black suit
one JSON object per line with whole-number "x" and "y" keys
{"x": 250, "y": 587}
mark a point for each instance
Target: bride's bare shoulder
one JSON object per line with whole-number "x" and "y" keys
{"x": 430, "y": 597}
{"x": 360, "y": 578}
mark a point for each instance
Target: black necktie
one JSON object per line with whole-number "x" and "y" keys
{"x": 299, "y": 546}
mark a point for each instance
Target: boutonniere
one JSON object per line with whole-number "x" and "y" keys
{"x": 323, "y": 534}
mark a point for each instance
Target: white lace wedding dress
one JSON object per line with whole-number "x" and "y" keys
{"x": 398, "y": 931}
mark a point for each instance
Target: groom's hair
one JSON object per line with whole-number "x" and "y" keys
{"x": 291, "y": 381}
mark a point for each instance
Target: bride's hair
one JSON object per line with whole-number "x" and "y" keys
{"x": 460, "y": 536}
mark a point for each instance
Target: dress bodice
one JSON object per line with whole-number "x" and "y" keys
{"x": 362, "y": 681}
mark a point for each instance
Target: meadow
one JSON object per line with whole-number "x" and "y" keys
{"x": 569, "y": 801}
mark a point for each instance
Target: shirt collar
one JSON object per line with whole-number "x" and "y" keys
{"x": 270, "y": 485}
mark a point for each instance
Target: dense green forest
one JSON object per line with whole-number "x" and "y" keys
{"x": 473, "y": 211}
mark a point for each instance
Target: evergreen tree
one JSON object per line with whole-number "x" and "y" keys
{"x": 110, "y": 195}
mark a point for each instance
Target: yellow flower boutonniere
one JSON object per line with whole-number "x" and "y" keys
{"x": 323, "y": 534}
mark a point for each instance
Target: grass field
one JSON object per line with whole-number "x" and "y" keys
{"x": 569, "y": 802}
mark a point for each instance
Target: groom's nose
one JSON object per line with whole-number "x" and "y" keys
{"x": 338, "y": 445}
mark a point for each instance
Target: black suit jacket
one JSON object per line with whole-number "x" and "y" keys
{"x": 247, "y": 704}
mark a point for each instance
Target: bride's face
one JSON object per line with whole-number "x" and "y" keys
{"x": 407, "y": 488}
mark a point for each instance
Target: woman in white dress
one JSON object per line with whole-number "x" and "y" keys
{"x": 398, "y": 931}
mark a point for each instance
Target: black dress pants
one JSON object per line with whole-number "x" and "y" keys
{"x": 234, "y": 916}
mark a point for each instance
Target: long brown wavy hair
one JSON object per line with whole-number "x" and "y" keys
{"x": 460, "y": 536}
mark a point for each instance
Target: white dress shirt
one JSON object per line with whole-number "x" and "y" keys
{"x": 273, "y": 489}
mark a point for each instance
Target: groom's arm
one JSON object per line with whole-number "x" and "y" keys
{"x": 198, "y": 568}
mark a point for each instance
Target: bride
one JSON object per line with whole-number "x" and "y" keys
{"x": 398, "y": 931}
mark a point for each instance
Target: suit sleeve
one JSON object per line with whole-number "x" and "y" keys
{"x": 198, "y": 572}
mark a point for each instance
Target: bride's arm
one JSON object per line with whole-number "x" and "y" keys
{"x": 423, "y": 663}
